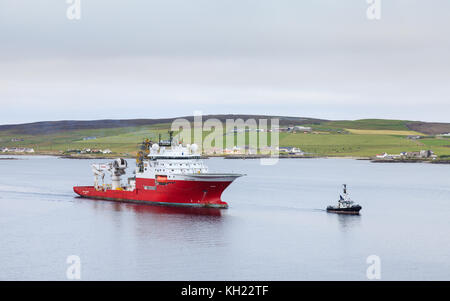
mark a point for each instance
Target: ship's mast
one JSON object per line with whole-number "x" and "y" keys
{"x": 166, "y": 142}
{"x": 144, "y": 150}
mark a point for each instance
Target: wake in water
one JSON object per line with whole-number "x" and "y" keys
{"x": 31, "y": 191}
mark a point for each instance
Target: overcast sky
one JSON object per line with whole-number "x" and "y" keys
{"x": 168, "y": 58}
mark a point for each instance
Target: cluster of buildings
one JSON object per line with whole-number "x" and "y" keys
{"x": 423, "y": 154}
{"x": 16, "y": 139}
{"x": 413, "y": 137}
{"x": 89, "y": 151}
{"x": 294, "y": 129}
{"x": 290, "y": 129}
{"x": 17, "y": 150}
{"x": 231, "y": 151}
{"x": 248, "y": 150}
{"x": 290, "y": 150}
{"x": 247, "y": 130}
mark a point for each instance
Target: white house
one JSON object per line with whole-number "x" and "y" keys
{"x": 383, "y": 155}
{"x": 291, "y": 150}
{"x": 302, "y": 128}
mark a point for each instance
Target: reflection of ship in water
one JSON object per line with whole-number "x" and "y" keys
{"x": 145, "y": 209}
{"x": 173, "y": 210}
{"x": 348, "y": 221}
{"x": 184, "y": 227}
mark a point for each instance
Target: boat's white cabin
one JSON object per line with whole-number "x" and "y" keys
{"x": 173, "y": 160}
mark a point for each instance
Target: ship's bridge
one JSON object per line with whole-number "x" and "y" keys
{"x": 174, "y": 160}
{"x": 174, "y": 152}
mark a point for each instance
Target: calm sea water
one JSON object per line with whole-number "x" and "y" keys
{"x": 275, "y": 229}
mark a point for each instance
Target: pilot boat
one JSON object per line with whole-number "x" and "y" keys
{"x": 345, "y": 204}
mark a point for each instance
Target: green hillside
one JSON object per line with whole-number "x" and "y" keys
{"x": 369, "y": 124}
{"x": 363, "y": 138}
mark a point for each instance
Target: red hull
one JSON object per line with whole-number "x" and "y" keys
{"x": 172, "y": 193}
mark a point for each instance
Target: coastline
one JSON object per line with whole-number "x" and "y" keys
{"x": 229, "y": 157}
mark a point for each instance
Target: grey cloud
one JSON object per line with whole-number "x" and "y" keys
{"x": 320, "y": 58}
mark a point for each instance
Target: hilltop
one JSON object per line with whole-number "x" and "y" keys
{"x": 49, "y": 127}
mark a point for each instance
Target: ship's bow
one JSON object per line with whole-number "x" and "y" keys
{"x": 210, "y": 186}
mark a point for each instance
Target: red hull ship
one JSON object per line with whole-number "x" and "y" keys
{"x": 165, "y": 175}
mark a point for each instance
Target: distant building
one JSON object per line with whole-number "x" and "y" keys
{"x": 291, "y": 150}
{"x": 387, "y": 156}
{"x": 17, "y": 150}
{"x": 227, "y": 151}
{"x": 268, "y": 149}
{"x": 213, "y": 151}
{"x": 297, "y": 128}
{"x": 16, "y": 139}
{"x": 89, "y": 138}
{"x": 250, "y": 150}
{"x": 107, "y": 151}
{"x": 420, "y": 154}
{"x": 426, "y": 153}
{"x": 413, "y": 154}
{"x": 304, "y": 129}
{"x": 237, "y": 150}
{"x": 383, "y": 155}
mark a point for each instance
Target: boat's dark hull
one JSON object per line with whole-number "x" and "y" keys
{"x": 351, "y": 210}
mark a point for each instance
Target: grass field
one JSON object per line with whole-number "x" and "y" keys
{"x": 369, "y": 124}
{"x": 383, "y": 132}
{"x": 349, "y": 144}
{"x": 361, "y": 138}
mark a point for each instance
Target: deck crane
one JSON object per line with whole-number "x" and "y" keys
{"x": 116, "y": 168}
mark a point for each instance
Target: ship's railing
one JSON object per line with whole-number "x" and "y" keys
{"x": 103, "y": 187}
